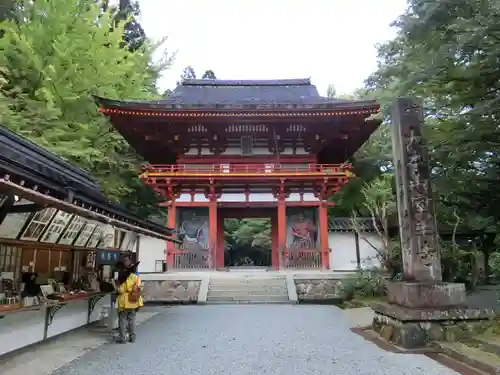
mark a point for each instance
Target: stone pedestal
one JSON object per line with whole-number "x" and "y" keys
{"x": 413, "y": 328}
{"x": 426, "y": 294}
{"x": 421, "y": 312}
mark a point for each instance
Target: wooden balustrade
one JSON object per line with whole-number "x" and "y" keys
{"x": 303, "y": 258}
{"x": 192, "y": 257}
{"x": 189, "y": 169}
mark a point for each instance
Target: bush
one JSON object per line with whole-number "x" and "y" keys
{"x": 459, "y": 265}
{"x": 494, "y": 265}
{"x": 365, "y": 284}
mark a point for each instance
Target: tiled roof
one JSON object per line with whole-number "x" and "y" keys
{"x": 240, "y": 94}
{"x": 232, "y": 92}
{"x": 345, "y": 224}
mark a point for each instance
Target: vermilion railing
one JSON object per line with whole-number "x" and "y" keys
{"x": 188, "y": 169}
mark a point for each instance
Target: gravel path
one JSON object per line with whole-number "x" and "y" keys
{"x": 249, "y": 339}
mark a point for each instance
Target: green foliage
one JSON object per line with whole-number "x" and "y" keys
{"x": 494, "y": 263}
{"x": 248, "y": 238}
{"x": 209, "y": 74}
{"x": 459, "y": 264}
{"x": 447, "y": 54}
{"x": 380, "y": 204}
{"x": 364, "y": 284}
{"x": 54, "y": 56}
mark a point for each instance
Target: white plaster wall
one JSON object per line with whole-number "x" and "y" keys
{"x": 343, "y": 254}
{"x": 255, "y": 151}
{"x": 368, "y": 254}
{"x": 150, "y": 250}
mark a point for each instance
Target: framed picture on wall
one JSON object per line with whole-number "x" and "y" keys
{"x": 38, "y": 224}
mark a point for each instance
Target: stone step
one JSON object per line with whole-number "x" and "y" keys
{"x": 246, "y": 288}
{"x": 473, "y": 356}
{"x": 232, "y": 302}
{"x": 247, "y": 299}
{"x": 249, "y": 281}
{"x": 238, "y": 293}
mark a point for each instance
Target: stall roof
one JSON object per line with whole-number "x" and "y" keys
{"x": 39, "y": 176}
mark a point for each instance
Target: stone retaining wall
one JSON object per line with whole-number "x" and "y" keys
{"x": 171, "y": 291}
{"x": 321, "y": 290}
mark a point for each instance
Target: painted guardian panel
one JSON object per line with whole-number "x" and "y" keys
{"x": 302, "y": 231}
{"x": 193, "y": 229}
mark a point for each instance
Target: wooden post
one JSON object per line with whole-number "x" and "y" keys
{"x": 281, "y": 223}
{"x": 358, "y": 252}
{"x": 323, "y": 236}
{"x": 171, "y": 223}
{"x": 212, "y": 227}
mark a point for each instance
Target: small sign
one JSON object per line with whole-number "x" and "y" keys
{"x": 107, "y": 258}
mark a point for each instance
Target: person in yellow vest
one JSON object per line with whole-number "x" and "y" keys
{"x": 128, "y": 302}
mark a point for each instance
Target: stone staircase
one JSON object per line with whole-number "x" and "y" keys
{"x": 247, "y": 289}
{"x": 481, "y": 353}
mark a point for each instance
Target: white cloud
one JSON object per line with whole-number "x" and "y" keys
{"x": 331, "y": 41}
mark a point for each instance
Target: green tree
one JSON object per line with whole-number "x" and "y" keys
{"x": 380, "y": 203}
{"x": 248, "y": 238}
{"x": 209, "y": 74}
{"x": 447, "y": 53}
{"x": 54, "y": 57}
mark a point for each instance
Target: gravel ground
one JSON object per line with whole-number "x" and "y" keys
{"x": 249, "y": 339}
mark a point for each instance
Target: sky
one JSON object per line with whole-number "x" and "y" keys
{"x": 330, "y": 41}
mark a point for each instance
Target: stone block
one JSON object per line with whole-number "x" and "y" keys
{"x": 414, "y": 328}
{"x": 171, "y": 291}
{"x": 426, "y": 294}
{"x": 405, "y": 314}
{"x": 318, "y": 289}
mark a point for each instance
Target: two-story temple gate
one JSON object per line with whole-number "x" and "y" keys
{"x": 249, "y": 145}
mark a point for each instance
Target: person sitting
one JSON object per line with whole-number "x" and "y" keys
{"x": 128, "y": 302}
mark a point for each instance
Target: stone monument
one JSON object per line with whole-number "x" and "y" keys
{"x": 421, "y": 306}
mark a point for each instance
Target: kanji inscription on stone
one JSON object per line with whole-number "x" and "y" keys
{"x": 417, "y": 224}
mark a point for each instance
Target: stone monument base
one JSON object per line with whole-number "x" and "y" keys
{"x": 421, "y": 312}
{"x": 426, "y": 294}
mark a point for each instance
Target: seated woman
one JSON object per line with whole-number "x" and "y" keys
{"x": 129, "y": 301}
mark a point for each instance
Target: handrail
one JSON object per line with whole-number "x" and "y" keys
{"x": 261, "y": 168}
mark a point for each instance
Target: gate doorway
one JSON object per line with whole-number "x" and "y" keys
{"x": 248, "y": 242}
{"x": 249, "y": 236}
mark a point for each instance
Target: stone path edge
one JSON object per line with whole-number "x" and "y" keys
{"x": 292, "y": 289}
{"x": 432, "y": 353}
{"x": 203, "y": 292}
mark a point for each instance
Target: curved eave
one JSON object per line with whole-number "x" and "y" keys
{"x": 165, "y": 109}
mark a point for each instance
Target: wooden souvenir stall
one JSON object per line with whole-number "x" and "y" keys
{"x": 58, "y": 238}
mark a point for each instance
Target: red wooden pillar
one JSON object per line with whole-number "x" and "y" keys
{"x": 171, "y": 223}
{"x": 281, "y": 229}
{"x": 323, "y": 235}
{"x": 212, "y": 227}
{"x": 219, "y": 263}
{"x": 275, "y": 255}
